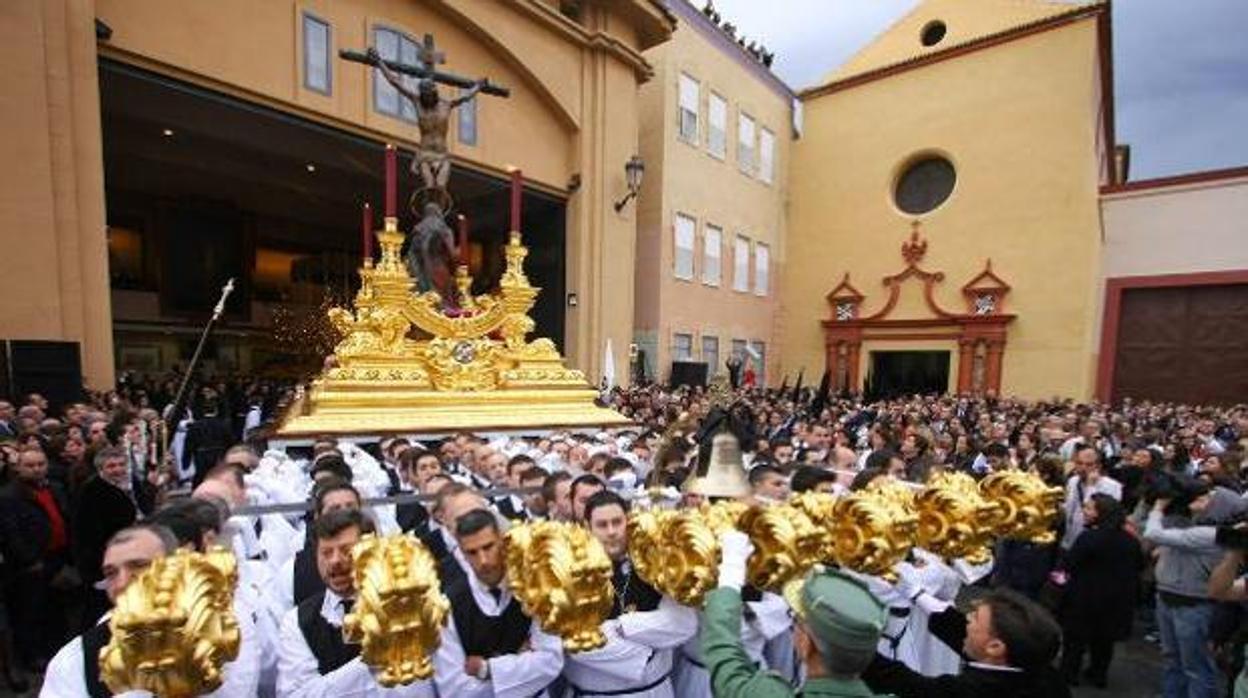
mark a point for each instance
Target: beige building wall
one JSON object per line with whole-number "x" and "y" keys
{"x": 573, "y": 111}
{"x": 55, "y": 280}
{"x": 684, "y": 177}
{"x": 1176, "y": 229}
{"x": 1020, "y": 121}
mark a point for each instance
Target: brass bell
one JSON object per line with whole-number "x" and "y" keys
{"x": 724, "y": 476}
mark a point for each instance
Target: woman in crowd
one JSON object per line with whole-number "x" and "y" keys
{"x": 1103, "y": 568}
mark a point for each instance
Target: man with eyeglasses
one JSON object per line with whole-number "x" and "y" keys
{"x": 75, "y": 670}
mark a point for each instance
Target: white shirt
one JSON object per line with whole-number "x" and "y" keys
{"x": 1074, "y": 504}
{"x": 638, "y": 652}
{"x": 519, "y": 675}
{"x": 66, "y": 673}
{"x": 298, "y": 675}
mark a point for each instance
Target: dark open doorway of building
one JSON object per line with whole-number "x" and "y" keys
{"x": 895, "y": 373}
{"x": 201, "y": 186}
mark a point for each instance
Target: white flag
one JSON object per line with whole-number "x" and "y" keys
{"x": 608, "y": 367}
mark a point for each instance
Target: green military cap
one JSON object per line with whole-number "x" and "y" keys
{"x": 838, "y": 609}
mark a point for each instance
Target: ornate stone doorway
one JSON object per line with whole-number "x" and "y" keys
{"x": 979, "y": 332}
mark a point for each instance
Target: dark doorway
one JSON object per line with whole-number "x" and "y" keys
{"x": 895, "y": 373}
{"x": 1183, "y": 344}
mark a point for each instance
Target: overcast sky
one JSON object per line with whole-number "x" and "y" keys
{"x": 1181, "y": 68}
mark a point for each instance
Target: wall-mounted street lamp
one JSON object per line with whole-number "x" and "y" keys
{"x": 634, "y": 170}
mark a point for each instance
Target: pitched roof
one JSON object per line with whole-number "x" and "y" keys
{"x": 965, "y": 22}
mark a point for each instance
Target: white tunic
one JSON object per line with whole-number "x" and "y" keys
{"x": 298, "y": 675}
{"x": 66, "y": 673}
{"x": 519, "y": 675}
{"x": 638, "y": 653}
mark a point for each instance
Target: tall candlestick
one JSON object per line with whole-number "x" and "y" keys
{"x": 392, "y": 180}
{"x": 367, "y": 232}
{"x": 463, "y": 239}
{"x": 517, "y": 180}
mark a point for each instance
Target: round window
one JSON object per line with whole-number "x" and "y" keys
{"x": 932, "y": 33}
{"x": 924, "y": 185}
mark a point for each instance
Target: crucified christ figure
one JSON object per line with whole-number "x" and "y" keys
{"x": 433, "y": 114}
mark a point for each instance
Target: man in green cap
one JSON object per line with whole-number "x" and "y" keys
{"x": 837, "y": 630}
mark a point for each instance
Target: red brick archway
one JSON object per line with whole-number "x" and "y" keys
{"x": 980, "y": 331}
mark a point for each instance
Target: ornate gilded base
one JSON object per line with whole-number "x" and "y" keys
{"x": 406, "y": 365}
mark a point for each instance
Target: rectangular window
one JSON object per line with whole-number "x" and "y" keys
{"x": 738, "y": 350}
{"x": 766, "y": 155}
{"x": 712, "y": 249}
{"x": 710, "y": 355}
{"x": 682, "y": 347}
{"x": 316, "y": 50}
{"x": 717, "y": 126}
{"x": 467, "y": 115}
{"x": 745, "y": 143}
{"x": 394, "y": 46}
{"x": 762, "y": 260}
{"x": 741, "y": 264}
{"x": 690, "y": 96}
{"x": 684, "y": 228}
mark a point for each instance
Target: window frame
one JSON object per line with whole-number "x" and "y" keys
{"x": 742, "y": 284}
{"x": 379, "y": 80}
{"x": 688, "y": 356}
{"x": 694, "y": 138}
{"x": 465, "y": 108}
{"x": 676, "y": 248}
{"x": 766, "y": 156}
{"x": 711, "y": 99}
{"x": 762, "y": 269}
{"x": 712, "y": 367}
{"x": 306, "y": 16}
{"x": 748, "y": 166}
{"x": 707, "y": 230}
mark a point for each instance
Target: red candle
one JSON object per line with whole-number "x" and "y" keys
{"x": 463, "y": 239}
{"x": 367, "y": 233}
{"x": 392, "y": 181}
{"x": 517, "y": 180}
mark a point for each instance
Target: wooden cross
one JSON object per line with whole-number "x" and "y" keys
{"x": 429, "y": 57}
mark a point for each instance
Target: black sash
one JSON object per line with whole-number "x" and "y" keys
{"x": 632, "y": 593}
{"x": 308, "y": 580}
{"x": 93, "y": 641}
{"x": 482, "y": 635}
{"x": 323, "y": 639}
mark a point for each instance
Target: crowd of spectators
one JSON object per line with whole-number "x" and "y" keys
{"x": 1152, "y": 493}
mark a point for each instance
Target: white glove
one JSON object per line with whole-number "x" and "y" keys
{"x": 734, "y": 550}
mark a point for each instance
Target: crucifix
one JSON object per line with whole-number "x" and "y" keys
{"x": 431, "y": 253}
{"x": 433, "y": 112}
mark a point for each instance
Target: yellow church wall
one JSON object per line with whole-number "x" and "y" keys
{"x": 254, "y": 50}
{"x": 1018, "y": 120}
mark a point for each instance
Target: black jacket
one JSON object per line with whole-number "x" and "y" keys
{"x": 102, "y": 509}
{"x": 25, "y": 529}
{"x": 1104, "y": 567}
{"x": 888, "y": 676}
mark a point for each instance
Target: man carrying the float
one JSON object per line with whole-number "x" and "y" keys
{"x": 314, "y": 661}
{"x": 489, "y": 646}
{"x": 644, "y": 627}
{"x": 75, "y": 670}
